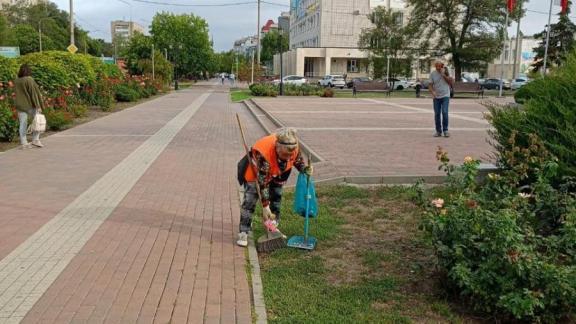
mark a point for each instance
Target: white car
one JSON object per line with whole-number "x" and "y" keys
{"x": 399, "y": 84}
{"x": 291, "y": 79}
{"x": 332, "y": 81}
{"x": 518, "y": 83}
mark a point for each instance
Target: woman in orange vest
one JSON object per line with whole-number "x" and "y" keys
{"x": 275, "y": 155}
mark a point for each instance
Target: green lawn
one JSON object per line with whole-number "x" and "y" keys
{"x": 239, "y": 95}
{"x": 371, "y": 265}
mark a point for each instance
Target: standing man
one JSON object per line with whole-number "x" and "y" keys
{"x": 275, "y": 155}
{"x": 440, "y": 85}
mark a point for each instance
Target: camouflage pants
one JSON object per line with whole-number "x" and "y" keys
{"x": 251, "y": 199}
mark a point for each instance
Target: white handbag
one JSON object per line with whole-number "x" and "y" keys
{"x": 38, "y": 123}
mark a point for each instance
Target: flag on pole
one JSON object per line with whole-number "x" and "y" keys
{"x": 564, "y": 4}
{"x": 511, "y": 4}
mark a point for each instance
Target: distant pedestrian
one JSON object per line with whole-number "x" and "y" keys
{"x": 440, "y": 87}
{"x": 232, "y": 78}
{"x": 418, "y": 87}
{"x": 28, "y": 103}
{"x": 222, "y": 77}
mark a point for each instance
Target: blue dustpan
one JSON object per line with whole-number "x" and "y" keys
{"x": 305, "y": 242}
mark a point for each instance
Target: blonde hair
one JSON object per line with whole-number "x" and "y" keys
{"x": 287, "y": 138}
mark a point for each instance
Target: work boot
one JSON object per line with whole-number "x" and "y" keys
{"x": 242, "y": 239}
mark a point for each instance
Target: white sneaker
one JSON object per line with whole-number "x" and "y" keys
{"x": 37, "y": 144}
{"x": 26, "y": 146}
{"x": 242, "y": 239}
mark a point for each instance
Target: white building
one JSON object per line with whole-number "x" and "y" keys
{"x": 245, "y": 46}
{"x": 524, "y": 58}
{"x": 125, "y": 29}
{"x": 324, "y": 36}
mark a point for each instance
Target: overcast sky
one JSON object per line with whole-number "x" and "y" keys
{"x": 227, "y": 23}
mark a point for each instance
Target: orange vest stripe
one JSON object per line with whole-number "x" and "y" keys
{"x": 266, "y": 146}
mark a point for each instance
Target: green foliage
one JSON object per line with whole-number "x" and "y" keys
{"x": 57, "y": 119}
{"x": 272, "y": 43}
{"x": 186, "y": 38}
{"x": 263, "y": 90}
{"x": 8, "y": 69}
{"x": 8, "y": 124}
{"x": 126, "y": 93}
{"x": 549, "y": 111}
{"x": 388, "y": 38}
{"x": 561, "y": 42}
{"x": 20, "y": 23}
{"x": 79, "y": 110}
{"x": 508, "y": 246}
{"x": 112, "y": 71}
{"x": 461, "y": 28}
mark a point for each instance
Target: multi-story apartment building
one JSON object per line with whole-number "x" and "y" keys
{"x": 245, "y": 46}
{"x": 524, "y": 58}
{"x": 125, "y": 29}
{"x": 324, "y": 36}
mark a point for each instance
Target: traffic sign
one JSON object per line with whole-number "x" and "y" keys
{"x": 72, "y": 49}
{"x": 10, "y": 52}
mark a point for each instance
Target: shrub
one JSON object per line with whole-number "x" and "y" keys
{"x": 8, "y": 123}
{"x": 8, "y": 69}
{"x": 327, "y": 93}
{"x": 549, "y": 111}
{"x": 508, "y": 248}
{"x": 125, "y": 93}
{"x": 79, "y": 110}
{"x": 292, "y": 90}
{"x": 309, "y": 89}
{"x": 263, "y": 90}
{"x": 50, "y": 75}
{"x": 57, "y": 120}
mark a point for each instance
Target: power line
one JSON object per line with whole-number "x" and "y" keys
{"x": 194, "y": 5}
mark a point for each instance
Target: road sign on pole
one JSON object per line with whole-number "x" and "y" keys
{"x": 72, "y": 49}
{"x": 10, "y": 52}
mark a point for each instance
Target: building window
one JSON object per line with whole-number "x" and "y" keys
{"x": 399, "y": 18}
{"x": 352, "y": 66}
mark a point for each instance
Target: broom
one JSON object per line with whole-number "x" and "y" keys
{"x": 274, "y": 239}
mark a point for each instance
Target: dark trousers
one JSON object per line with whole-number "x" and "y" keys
{"x": 441, "y": 114}
{"x": 251, "y": 199}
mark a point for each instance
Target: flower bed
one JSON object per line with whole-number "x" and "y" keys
{"x": 70, "y": 84}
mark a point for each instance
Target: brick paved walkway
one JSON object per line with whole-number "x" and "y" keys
{"x": 382, "y": 137}
{"x": 130, "y": 218}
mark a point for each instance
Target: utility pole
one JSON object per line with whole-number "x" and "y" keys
{"x": 547, "y": 39}
{"x": 40, "y": 34}
{"x": 252, "y": 78}
{"x": 503, "y": 52}
{"x": 71, "y": 22}
{"x": 258, "y": 36}
{"x": 518, "y": 52}
{"x": 153, "y": 71}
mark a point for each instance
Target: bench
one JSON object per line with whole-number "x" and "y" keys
{"x": 468, "y": 87}
{"x": 371, "y": 86}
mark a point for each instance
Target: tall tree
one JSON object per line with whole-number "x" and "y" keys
{"x": 561, "y": 42}
{"x": 388, "y": 38}
{"x": 469, "y": 30}
{"x": 272, "y": 43}
{"x": 187, "y": 41}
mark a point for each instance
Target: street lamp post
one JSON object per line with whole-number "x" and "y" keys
{"x": 280, "y": 33}
{"x": 40, "y": 31}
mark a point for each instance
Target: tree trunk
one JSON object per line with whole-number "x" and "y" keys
{"x": 457, "y": 68}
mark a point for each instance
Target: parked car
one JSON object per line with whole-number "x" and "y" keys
{"x": 291, "y": 79}
{"x": 398, "y": 84}
{"x": 492, "y": 84}
{"x": 350, "y": 84}
{"x": 518, "y": 83}
{"x": 332, "y": 81}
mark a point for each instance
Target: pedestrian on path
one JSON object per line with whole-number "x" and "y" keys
{"x": 222, "y": 77}
{"x": 275, "y": 155}
{"x": 232, "y": 79}
{"x": 28, "y": 103}
{"x": 440, "y": 85}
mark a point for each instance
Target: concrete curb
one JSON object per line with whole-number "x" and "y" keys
{"x": 257, "y": 286}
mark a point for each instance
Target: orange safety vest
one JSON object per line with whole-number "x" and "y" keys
{"x": 267, "y": 148}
